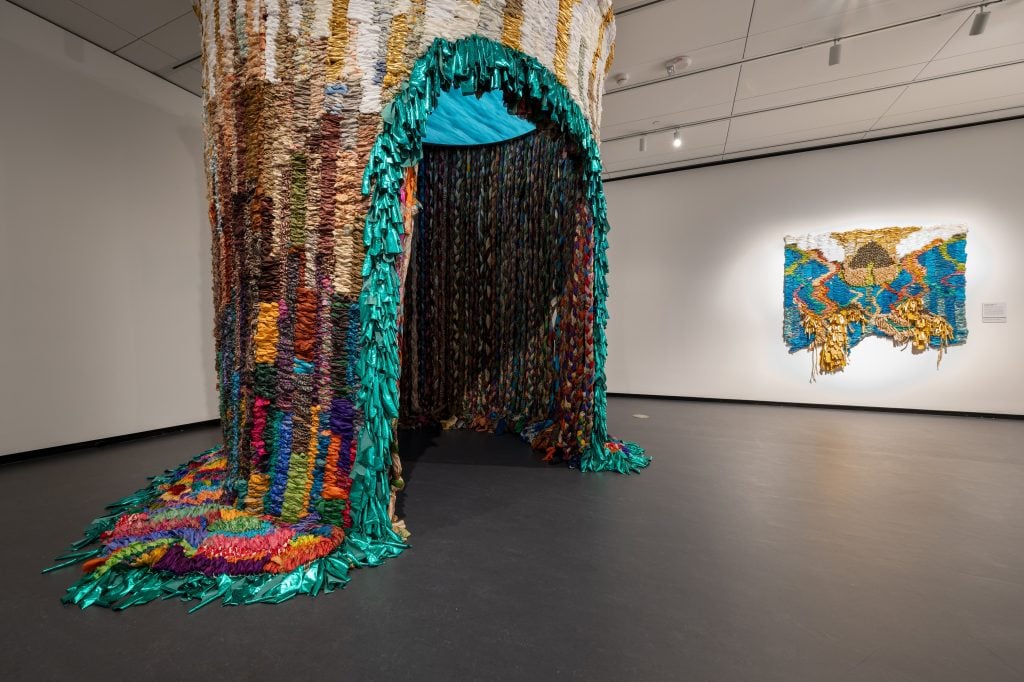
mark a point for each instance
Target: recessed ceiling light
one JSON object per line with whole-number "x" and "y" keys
{"x": 677, "y": 139}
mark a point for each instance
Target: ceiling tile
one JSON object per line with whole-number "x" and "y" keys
{"x": 710, "y": 33}
{"x": 189, "y": 79}
{"x": 1004, "y": 28}
{"x": 884, "y": 129}
{"x": 1005, "y": 55}
{"x": 759, "y": 149}
{"x": 715, "y": 155}
{"x": 719, "y": 111}
{"x": 138, "y": 18}
{"x": 623, "y": 5}
{"x": 661, "y": 161}
{"x": 693, "y": 98}
{"x": 782, "y": 24}
{"x": 638, "y": 72}
{"x": 774, "y": 15}
{"x": 835, "y": 88}
{"x": 942, "y": 114}
{"x": 698, "y": 141}
{"x": 1002, "y": 42}
{"x": 972, "y": 87}
{"x": 79, "y": 21}
{"x": 878, "y": 54}
{"x": 810, "y": 136}
{"x": 145, "y": 55}
{"x": 181, "y": 38}
{"x": 811, "y": 118}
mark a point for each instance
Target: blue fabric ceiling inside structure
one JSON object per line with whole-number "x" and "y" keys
{"x": 466, "y": 120}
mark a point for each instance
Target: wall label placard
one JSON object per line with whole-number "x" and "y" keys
{"x": 993, "y": 312}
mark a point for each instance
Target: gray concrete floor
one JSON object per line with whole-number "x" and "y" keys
{"x": 765, "y": 543}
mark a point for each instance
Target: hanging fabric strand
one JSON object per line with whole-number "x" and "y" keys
{"x": 498, "y": 318}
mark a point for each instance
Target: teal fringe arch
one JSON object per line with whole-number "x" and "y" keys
{"x": 470, "y": 64}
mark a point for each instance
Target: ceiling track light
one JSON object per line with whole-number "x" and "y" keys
{"x": 980, "y": 21}
{"x": 643, "y": 143}
{"x": 835, "y": 53}
{"x": 677, "y": 138}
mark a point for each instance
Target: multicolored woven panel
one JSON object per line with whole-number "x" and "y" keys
{"x": 315, "y": 116}
{"x": 902, "y": 283}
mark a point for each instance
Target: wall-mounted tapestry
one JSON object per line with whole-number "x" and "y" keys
{"x": 903, "y": 283}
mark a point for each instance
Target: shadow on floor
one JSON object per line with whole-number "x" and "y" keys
{"x": 463, "y": 447}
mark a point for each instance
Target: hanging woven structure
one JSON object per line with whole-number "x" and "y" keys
{"x": 349, "y": 264}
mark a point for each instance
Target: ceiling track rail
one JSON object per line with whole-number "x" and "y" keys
{"x": 791, "y": 50}
{"x": 719, "y": 119}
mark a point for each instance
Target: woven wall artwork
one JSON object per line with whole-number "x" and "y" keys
{"x": 360, "y": 279}
{"x": 902, "y": 283}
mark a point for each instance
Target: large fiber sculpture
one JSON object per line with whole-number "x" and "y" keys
{"x": 348, "y": 266}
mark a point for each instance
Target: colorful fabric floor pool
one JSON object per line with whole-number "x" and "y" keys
{"x": 182, "y": 525}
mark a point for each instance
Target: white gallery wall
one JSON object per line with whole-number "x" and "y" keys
{"x": 697, "y": 258}
{"x": 105, "y": 304}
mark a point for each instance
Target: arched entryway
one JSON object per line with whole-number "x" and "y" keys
{"x": 475, "y": 64}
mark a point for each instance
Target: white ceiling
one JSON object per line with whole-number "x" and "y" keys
{"x": 923, "y": 75}
{"x": 158, "y": 35}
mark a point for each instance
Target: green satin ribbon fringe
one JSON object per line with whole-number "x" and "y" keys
{"x": 469, "y": 64}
